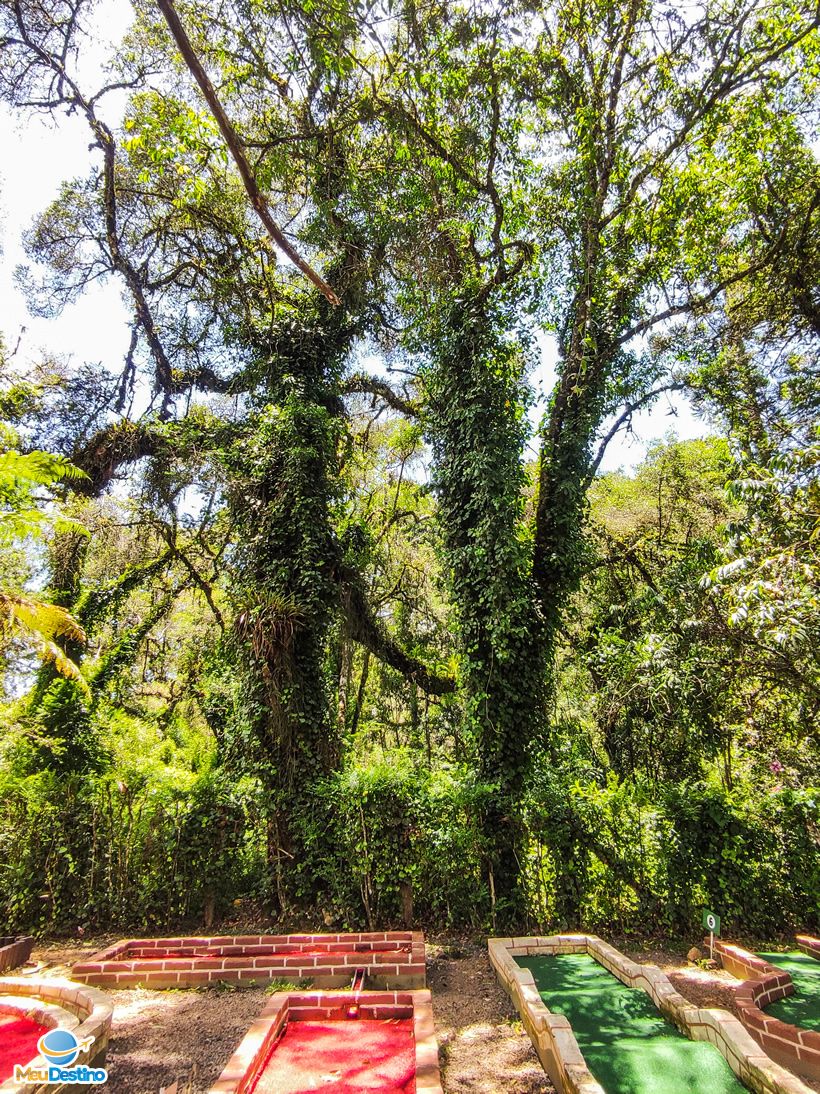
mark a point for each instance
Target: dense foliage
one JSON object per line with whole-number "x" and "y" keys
{"x": 284, "y": 635}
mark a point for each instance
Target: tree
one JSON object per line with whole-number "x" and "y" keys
{"x": 462, "y": 176}
{"x": 190, "y": 261}
{"x": 554, "y": 157}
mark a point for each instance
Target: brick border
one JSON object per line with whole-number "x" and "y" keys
{"x": 762, "y": 984}
{"x": 251, "y": 1056}
{"x": 45, "y": 1014}
{"x": 555, "y": 1043}
{"x": 399, "y": 961}
{"x": 14, "y": 950}
{"x": 809, "y": 945}
{"x": 89, "y": 1015}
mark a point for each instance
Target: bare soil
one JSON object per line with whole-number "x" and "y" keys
{"x": 483, "y": 1048}
{"x": 703, "y": 987}
{"x": 159, "y": 1037}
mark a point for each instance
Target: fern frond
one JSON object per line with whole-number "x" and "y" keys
{"x": 36, "y": 469}
{"x": 50, "y": 651}
{"x": 41, "y": 623}
{"x": 38, "y": 617}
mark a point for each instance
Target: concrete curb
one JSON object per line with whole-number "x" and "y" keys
{"x": 792, "y": 1046}
{"x": 86, "y": 1011}
{"x": 555, "y": 1043}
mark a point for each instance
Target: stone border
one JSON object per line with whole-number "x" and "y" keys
{"x": 14, "y": 950}
{"x": 89, "y": 1015}
{"x": 253, "y": 1053}
{"x": 796, "y": 1048}
{"x": 399, "y": 961}
{"x": 554, "y": 1041}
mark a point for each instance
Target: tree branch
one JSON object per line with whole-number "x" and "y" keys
{"x": 695, "y": 303}
{"x": 622, "y": 419}
{"x": 70, "y": 96}
{"x": 235, "y": 147}
{"x": 110, "y": 448}
{"x": 362, "y": 384}
{"x": 169, "y": 535}
{"x": 369, "y": 632}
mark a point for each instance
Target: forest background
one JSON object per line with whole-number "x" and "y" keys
{"x": 283, "y": 635}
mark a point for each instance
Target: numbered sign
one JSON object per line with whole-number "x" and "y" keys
{"x": 712, "y": 923}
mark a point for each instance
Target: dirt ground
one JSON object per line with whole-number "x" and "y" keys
{"x": 703, "y": 987}
{"x": 483, "y": 1047}
{"x": 188, "y": 1036}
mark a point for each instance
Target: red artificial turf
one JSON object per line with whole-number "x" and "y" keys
{"x": 346, "y": 1057}
{"x": 18, "y": 1042}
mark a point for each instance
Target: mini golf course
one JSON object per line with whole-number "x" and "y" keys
{"x": 602, "y": 1023}
{"x": 628, "y": 1045}
{"x": 31, "y": 1006}
{"x": 778, "y": 1001}
{"x": 393, "y": 959}
{"x": 339, "y": 1042}
{"x": 803, "y": 1007}
{"x": 18, "y": 1042}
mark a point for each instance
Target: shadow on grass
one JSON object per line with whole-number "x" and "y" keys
{"x": 802, "y": 1008}
{"x": 628, "y": 1045}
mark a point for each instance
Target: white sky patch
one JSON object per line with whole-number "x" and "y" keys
{"x": 40, "y": 152}
{"x": 672, "y": 414}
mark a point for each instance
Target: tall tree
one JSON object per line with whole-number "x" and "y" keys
{"x": 554, "y": 155}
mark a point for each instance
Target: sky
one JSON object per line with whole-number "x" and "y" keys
{"x": 40, "y": 153}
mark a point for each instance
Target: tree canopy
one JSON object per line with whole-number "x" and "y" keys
{"x": 307, "y": 577}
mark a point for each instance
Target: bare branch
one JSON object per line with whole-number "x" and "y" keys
{"x": 622, "y": 419}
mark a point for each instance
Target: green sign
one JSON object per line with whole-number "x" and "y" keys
{"x": 712, "y": 923}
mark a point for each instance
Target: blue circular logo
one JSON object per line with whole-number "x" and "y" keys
{"x": 59, "y": 1046}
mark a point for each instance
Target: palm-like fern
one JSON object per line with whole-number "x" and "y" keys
{"x": 21, "y": 515}
{"x": 43, "y": 623}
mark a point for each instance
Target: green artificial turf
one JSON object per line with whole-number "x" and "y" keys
{"x": 802, "y": 1008}
{"x": 628, "y": 1045}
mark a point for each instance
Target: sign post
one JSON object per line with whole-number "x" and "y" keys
{"x": 712, "y": 924}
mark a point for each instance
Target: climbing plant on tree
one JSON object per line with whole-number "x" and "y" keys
{"x": 461, "y": 175}
{"x": 193, "y": 262}
{"x": 574, "y": 134}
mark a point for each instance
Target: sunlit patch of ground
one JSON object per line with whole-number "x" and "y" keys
{"x": 483, "y": 1046}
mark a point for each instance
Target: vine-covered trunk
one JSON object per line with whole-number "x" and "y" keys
{"x": 576, "y": 412}
{"x": 284, "y": 469}
{"x": 284, "y": 513}
{"x": 478, "y": 431}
